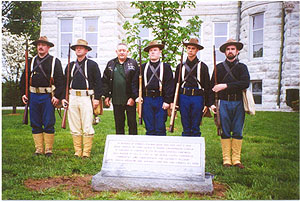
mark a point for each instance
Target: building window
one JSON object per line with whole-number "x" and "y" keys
{"x": 220, "y": 37}
{"x": 66, "y": 36}
{"x": 198, "y": 36}
{"x": 257, "y": 35}
{"x": 91, "y": 35}
{"x": 144, "y": 33}
{"x": 256, "y": 88}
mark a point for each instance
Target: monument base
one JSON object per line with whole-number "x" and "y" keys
{"x": 102, "y": 183}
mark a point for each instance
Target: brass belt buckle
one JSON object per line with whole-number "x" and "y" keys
{"x": 78, "y": 93}
{"x": 193, "y": 90}
{"x": 37, "y": 90}
{"x": 184, "y": 91}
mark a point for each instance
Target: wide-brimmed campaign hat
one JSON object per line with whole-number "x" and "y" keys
{"x": 153, "y": 44}
{"x": 229, "y": 42}
{"x": 194, "y": 42}
{"x": 81, "y": 42}
{"x": 43, "y": 39}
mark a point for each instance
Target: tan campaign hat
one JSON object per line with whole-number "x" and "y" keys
{"x": 194, "y": 42}
{"x": 81, "y": 42}
{"x": 153, "y": 44}
{"x": 43, "y": 39}
{"x": 229, "y": 42}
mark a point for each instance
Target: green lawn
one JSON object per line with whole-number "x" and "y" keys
{"x": 270, "y": 153}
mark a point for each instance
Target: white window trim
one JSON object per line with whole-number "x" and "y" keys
{"x": 227, "y": 36}
{"x": 98, "y": 32}
{"x": 254, "y": 93}
{"x": 59, "y": 33}
{"x": 251, "y": 36}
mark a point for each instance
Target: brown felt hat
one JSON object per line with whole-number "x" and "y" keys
{"x": 43, "y": 39}
{"x": 153, "y": 44}
{"x": 194, "y": 42}
{"x": 229, "y": 42}
{"x": 81, "y": 42}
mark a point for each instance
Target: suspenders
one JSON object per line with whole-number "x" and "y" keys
{"x": 85, "y": 74}
{"x": 198, "y": 75}
{"x": 52, "y": 69}
{"x": 161, "y": 72}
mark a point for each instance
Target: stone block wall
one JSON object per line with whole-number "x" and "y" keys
{"x": 113, "y": 14}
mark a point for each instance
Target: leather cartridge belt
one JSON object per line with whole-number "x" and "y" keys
{"x": 231, "y": 97}
{"x": 81, "y": 92}
{"x": 153, "y": 93}
{"x": 40, "y": 89}
{"x": 191, "y": 92}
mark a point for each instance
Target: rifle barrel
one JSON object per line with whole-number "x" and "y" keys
{"x": 173, "y": 113}
{"x": 25, "y": 117}
{"x": 63, "y": 123}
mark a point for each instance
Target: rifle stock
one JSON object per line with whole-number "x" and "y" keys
{"x": 25, "y": 116}
{"x": 140, "y": 86}
{"x": 63, "y": 123}
{"x": 175, "y": 101}
{"x": 217, "y": 114}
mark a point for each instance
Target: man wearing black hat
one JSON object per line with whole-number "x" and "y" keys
{"x": 158, "y": 89}
{"x": 232, "y": 78}
{"x": 194, "y": 90}
{"x": 85, "y": 83}
{"x": 117, "y": 85}
{"x": 46, "y": 89}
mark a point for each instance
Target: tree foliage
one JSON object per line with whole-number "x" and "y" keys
{"x": 13, "y": 62}
{"x": 165, "y": 21}
{"x": 22, "y": 17}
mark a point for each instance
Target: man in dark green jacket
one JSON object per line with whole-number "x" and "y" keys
{"x": 117, "y": 85}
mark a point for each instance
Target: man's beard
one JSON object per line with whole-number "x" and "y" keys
{"x": 230, "y": 57}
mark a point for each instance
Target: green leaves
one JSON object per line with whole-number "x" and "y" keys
{"x": 164, "y": 20}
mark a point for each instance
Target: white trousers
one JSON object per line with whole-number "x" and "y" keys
{"x": 80, "y": 115}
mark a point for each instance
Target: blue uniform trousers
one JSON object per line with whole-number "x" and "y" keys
{"x": 154, "y": 116}
{"x": 232, "y": 117}
{"x": 41, "y": 113}
{"x": 191, "y": 108}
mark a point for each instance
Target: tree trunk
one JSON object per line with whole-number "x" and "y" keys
{"x": 14, "y": 109}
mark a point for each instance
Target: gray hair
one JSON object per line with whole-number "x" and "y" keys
{"x": 122, "y": 44}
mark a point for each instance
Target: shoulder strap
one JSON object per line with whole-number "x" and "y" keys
{"x": 229, "y": 71}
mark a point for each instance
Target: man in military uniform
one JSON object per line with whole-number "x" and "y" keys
{"x": 194, "y": 91}
{"x": 85, "y": 92}
{"x": 232, "y": 78}
{"x": 117, "y": 84}
{"x": 158, "y": 90}
{"x": 46, "y": 89}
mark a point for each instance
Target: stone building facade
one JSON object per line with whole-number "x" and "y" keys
{"x": 269, "y": 31}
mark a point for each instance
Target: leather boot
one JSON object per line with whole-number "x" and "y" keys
{"x": 77, "y": 142}
{"x": 87, "y": 145}
{"x": 39, "y": 143}
{"x": 236, "y": 152}
{"x": 49, "y": 140}
{"x": 226, "y": 151}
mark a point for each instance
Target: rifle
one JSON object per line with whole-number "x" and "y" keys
{"x": 140, "y": 86}
{"x": 25, "y": 116}
{"x": 175, "y": 101}
{"x": 217, "y": 114}
{"x": 63, "y": 123}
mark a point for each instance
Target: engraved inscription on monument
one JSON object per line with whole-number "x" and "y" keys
{"x": 176, "y": 154}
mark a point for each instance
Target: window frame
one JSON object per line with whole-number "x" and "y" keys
{"x": 214, "y": 38}
{"x": 60, "y": 36}
{"x": 257, "y": 93}
{"x": 251, "y": 29}
{"x": 85, "y": 32}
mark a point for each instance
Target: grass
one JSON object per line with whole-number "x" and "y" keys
{"x": 270, "y": 154}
